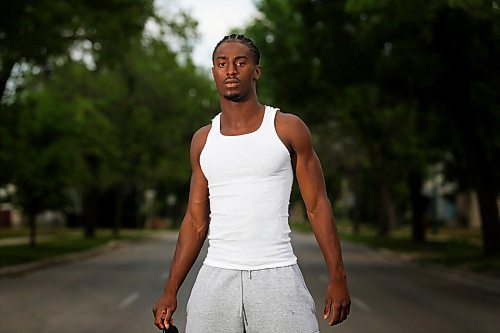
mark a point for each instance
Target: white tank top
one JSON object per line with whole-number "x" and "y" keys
{"x": 249, "y": 180}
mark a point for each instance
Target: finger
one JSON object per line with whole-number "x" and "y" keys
{"x": 159, "y": 319}
{"x": 345, "y": 312}
{"x": 326, "y": 312}
{"x": 336, "y": 315}
{"x": 167, "y": 319}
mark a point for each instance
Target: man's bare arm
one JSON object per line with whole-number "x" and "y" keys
{"x": 191, "y": 237}
{"x": 297, "y": 137}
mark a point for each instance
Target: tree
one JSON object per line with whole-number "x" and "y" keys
{"x": 381, "y": 71}
{"x": 466, "y": 42}
{"x": 39, "y": 155}
{"x": 457, "y": 42}
{"x": 105, "y": 128}
{"x": 122, "y": 141}
{"x": 336, "y": 69}
{"x": 39, "y": 32}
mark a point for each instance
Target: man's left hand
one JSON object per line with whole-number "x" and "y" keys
{"x": 338, "y": 302}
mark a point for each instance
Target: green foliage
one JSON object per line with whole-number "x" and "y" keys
{"x": 96, "y": 130}
{"x": 34, "y": 158}
{"x": 404, "y": 85}
{"x": 354, "y": 6}
{"x": 75, "y": 134}
{"x": 44, "y": 33}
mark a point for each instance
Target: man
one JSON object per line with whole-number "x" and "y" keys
{"x": 242, "y": 174}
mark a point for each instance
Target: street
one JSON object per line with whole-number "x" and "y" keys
{"x": 115, "y": 292}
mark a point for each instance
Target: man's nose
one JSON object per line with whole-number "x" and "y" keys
{"x": 232, "y": 69}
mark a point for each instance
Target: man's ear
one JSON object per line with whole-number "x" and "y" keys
{"x": 256, "y": 73}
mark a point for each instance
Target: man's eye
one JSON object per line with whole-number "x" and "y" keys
{"x": 240, "y": 64}
{"x": 221, "y": 65}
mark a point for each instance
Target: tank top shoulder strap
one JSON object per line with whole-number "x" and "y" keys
{"x": 269, "y": 116}
{"x": 215, "y": 129}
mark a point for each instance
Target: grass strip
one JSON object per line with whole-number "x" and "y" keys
{"x": 20, "y": 254}
{"x": 458, "y": 248}
{"x": 60, "y": 243}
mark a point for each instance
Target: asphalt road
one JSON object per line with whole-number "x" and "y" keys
{"x": 115, "y": 291}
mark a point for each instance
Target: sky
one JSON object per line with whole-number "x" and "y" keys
{"x": 215, "y": 19}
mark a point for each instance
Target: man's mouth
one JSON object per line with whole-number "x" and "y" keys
{"x": 231, "y": 82}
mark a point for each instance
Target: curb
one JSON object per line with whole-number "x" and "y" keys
{"x": 58, "y": 260}
{"x": 484, "y": 282}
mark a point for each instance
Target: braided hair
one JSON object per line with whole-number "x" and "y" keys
{"x": 234, "y": 38}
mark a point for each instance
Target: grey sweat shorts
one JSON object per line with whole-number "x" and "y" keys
{"x": 266, "y": 300}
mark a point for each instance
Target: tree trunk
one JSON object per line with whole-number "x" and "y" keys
{"x": 119, "y": 199}
{"x": 490, "y": 223}
{"x": 90, "y": 213}
{"x": 487, "y": 196}
{"x": 386, "y": 209}
{"x": 484, "y": 178}
{"x": 356, "y": 225}
{"x": 417, "y": 207}
{"x": 32, "y": 225}
{"x": 91, "y": 198}
{"x": 470, "y": 119}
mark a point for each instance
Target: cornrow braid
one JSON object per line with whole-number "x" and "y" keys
{"x": 234, "y": 38}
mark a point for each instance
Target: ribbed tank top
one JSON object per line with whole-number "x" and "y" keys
{"x": 249, "y": 180}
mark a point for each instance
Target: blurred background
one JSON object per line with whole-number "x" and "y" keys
{"x": 100, "y": 99}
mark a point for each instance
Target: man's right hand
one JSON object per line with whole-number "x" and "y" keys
{"x": 164, "y": 309}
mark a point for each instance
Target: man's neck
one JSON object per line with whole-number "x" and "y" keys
{"x": 240, "y": 110}
{"x": 241, "y": 116}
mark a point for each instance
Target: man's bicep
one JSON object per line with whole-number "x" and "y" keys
{"x": 310, "y": 179}
{"x": 296, "y": 135}
{"x": 308, "y": 168}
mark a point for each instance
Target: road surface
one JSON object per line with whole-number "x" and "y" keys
{"x": 115, "y": 291}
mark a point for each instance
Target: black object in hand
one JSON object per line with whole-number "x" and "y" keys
{"x": 171, "y": 329}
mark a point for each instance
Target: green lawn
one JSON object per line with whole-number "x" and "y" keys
{"x": 59, "y": 242}
{"x": 452, "y": 247}
{"x": 18, "y": 254}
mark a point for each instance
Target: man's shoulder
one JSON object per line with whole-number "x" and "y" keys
{"x": 289, "y": 122}
{"x": 200, "y": 138}
{"x": 292, "y": 130}
{"x": 202, "y": 132}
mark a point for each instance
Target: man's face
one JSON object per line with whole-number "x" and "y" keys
{"x": 234, "y": 71}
